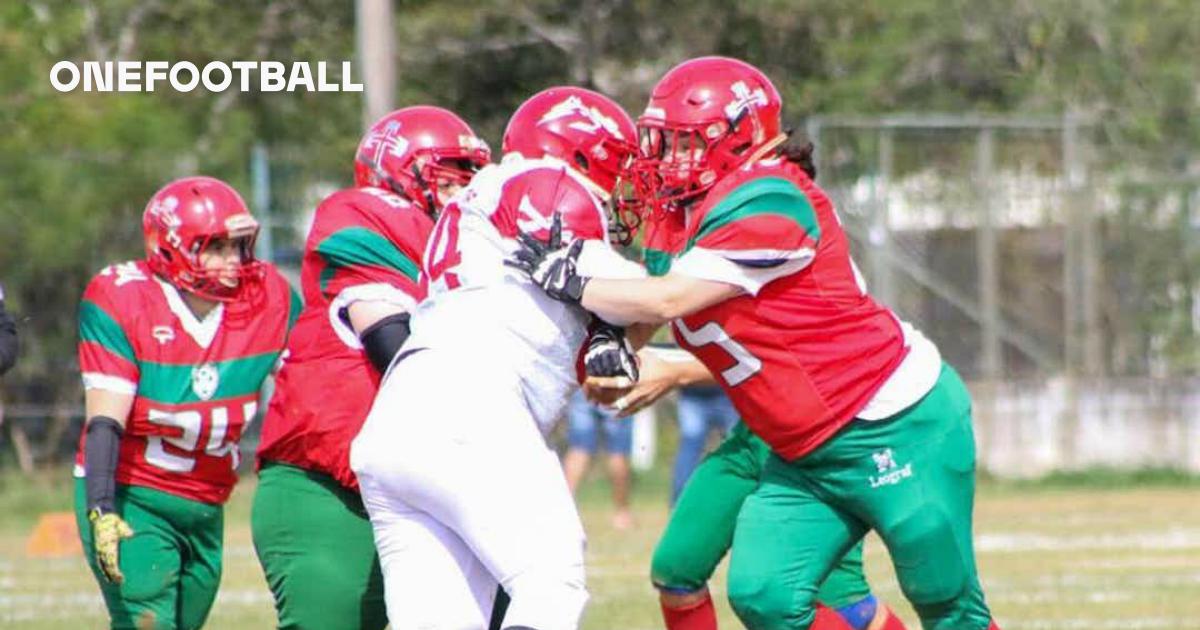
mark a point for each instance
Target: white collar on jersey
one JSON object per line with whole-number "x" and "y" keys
{"x": 202, "y": 331}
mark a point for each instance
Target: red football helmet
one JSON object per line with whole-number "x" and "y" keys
{"x": 706, "y": 117}
{"x": 585, "y": 129}
{"x": 413, "y": 151}
{"x": 181, "y": 220}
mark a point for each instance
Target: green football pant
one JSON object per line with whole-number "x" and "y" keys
{"x": 700, "y": 530}
{"x": 910, "y": 477}
{"x": 316, "y": 547}
{"x": 172, "y": 564}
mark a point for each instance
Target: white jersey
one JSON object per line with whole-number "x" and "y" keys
{"x": 490, "y": 315}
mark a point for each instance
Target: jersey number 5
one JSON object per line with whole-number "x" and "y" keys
{"x": 746, "y": 365}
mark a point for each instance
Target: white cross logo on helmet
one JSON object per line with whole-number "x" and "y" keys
{"x": 164, "y": 211}
{"x": 743, "y": 98}
{"x": 389, "y": 140}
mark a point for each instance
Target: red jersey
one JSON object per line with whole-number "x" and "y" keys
{"x": 365, "y": 244}
{"x": 807, "y": 348}
{"x": 195, "y": 381}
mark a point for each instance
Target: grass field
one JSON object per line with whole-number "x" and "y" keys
{"x": 1089, "y": 554}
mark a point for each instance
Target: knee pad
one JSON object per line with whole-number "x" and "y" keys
{"x": 860, "y": 614}
{"x": 678, "y": 568}
{"x": 763, "y": 602}
{"x": 929, "y": 564}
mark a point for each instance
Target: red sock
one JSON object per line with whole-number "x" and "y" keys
{"x": 828, "y": 619}
{"x": 698, "y": 616}
{"x": 892, "y": 622}
{"x": 993, "y": 626}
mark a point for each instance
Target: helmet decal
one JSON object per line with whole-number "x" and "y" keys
{"x": 415, "y": 151}
{"x": 706, "y": 117}
{"x": 743, "y": 98}
{"x": 163, "y": 210}
{"x": 596, "y": 119}
{"x": 588, "y": 131}
{"x": 182, "y": 219}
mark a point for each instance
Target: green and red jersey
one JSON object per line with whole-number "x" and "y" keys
{"x": 365, "y": 245}
{"x": 195, "y": 381}
{"x": 806, "y": 349}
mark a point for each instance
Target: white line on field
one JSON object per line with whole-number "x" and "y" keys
{"x": 1166, "y": 540}
{"x": 21, "y": 602}
{"x": 1092, "y": 624}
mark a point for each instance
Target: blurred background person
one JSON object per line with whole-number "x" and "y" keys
{"x": 8, "y": 337}
{"x": 585, "y": 420}
{"x": 702, "y": 406}
{"x": 702, "y": 409}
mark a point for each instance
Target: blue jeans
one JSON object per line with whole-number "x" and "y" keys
{"x": 701, "y": 409}
{"x": 582, "y": 418}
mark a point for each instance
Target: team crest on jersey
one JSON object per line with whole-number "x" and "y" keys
{"x": 205, "y": 380}
{"x": 163, "y": 334}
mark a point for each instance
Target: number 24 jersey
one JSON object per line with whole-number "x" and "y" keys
{"x": 195, "y": 381}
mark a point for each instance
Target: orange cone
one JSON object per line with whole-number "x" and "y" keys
{"x": 54, "y": 536}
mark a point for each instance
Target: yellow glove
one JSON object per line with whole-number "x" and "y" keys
{"x": 108, "y": 529}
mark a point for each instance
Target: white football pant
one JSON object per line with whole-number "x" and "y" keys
{"x": 463, "y": 493}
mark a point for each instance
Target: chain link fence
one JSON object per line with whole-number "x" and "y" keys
{"x": 1063, "y": 288}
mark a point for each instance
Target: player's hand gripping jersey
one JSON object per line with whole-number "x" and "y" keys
{"x": 195, "y": 382}
{"x": 807, "y": 350}
{"x": 365, "y": 245}
{"x": 492, "y": 314}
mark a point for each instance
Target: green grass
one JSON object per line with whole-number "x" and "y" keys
{"x": 1080, "y": 551}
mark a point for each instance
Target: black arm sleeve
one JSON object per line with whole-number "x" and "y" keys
{"x": 8, "y": 340}
{"x": 382, "y": 340}
{"x": 100, "y": 452}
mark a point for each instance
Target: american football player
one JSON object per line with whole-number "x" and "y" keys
{"x": 360, "y": 281}
{"x": 700, "y": 529}
{"x": 173, "y": 350}
{"x": 461, "y": 487}
{"x": 868, "y": 427}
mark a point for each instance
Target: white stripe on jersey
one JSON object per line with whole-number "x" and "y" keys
{"x": 116, "y": 384}
{"x": 371, "y": 292}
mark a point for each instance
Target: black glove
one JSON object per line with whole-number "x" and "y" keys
{"x": 609, "y": 353}
{"x": 551, "y": 264}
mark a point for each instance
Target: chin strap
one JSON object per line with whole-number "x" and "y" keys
{"x": 427, "y": 192}
{"x": 765, "y": 149}
{"x": 383, "y": 175}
